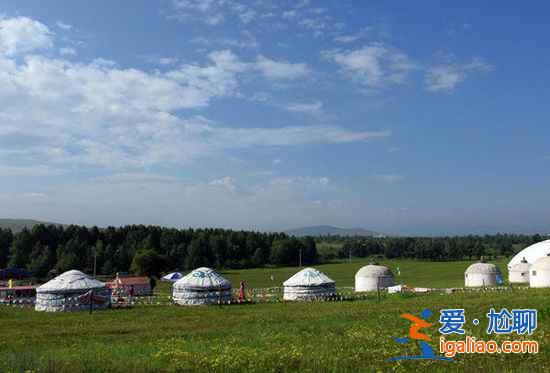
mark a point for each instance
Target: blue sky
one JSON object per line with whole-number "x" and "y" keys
{"x": 408, "y": 118}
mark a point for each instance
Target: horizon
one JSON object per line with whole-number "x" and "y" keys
{"x": 405, "y": 119}
{"x": 375, "y": 233}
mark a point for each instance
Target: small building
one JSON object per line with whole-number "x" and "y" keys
{"x": 72, "y": 291}
{"x": 519, "y": 272}
{"x": 481, "y": 275}
{"x": 539, "y": 276}
{"x": 200, "y": 287}
{"x": 130, "y": 286}
{"x": 373, "y": 277}
{"x": 395, "y": 289}
{"x": 18, "y": 292}
{"x": 308, "y": 284}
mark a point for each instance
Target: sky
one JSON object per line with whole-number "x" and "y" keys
{"x": 412, "y": 118}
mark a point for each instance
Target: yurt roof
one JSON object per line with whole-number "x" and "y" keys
{"x": 541, "y": 264}
{"x": 374, "y": 270}
{"x": 531, "y": 253}
{"x": 203, "y": 278}
{"x": 484, "y": 268}
{"x": 70, "y": 281}
{"x": 308, "y": 277}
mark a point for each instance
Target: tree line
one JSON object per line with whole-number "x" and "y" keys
{"x": 437, "y": 248}
{"x": 149, "y": 250}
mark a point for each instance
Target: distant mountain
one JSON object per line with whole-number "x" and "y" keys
{"x": 327, "y": 230}
{"x": 17, "y": 225}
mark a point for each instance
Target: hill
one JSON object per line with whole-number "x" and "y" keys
{"x": 16, "y": 225}
{"x": 328, "y": 230}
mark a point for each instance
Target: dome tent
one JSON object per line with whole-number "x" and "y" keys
{"x": 531, "y": 253}
{"x": 172, "y": 277}
{"x": 373, "y": 277}
{"x": 308, "y": 284}
{"x": 539, "y": 274}
{"x": 72, "y": 291}
{"x": 519, "y": 273}
{"x": 201, "y": 286}
{"x": 482, "y": 274}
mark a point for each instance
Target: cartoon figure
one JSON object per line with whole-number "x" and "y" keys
{"x": 415, "y": 334}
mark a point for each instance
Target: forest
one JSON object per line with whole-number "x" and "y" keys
{"x": 46, "y": 250}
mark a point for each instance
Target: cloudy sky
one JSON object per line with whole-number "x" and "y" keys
{"x": 409, "y": 118}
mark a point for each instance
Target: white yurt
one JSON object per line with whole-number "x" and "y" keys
{"x": 201, "y": 286}
{"x": 531, "y": 253}
{"x": 72, "y": 291}
{"x": 482, "y": 274}
{"x": 308, "y": 284}
{"x": 519, "y": 273}
{"x": 373, "y": 277}
{"x": 539, "y": 273}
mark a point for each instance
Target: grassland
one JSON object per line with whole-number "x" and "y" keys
{"x": 326, "y": 336}
{"x": 412, "y": 272}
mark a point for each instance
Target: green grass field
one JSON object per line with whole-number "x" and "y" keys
{"x": 324, "y": 336}
{"x": 413, "y": 273}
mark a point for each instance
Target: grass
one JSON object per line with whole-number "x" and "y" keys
{"x": 326, "y": 336}
{"x": 412, "y": 272}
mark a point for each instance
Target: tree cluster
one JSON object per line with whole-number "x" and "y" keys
{"x": 149, "y": 250}
{"x": 437, "y": 248}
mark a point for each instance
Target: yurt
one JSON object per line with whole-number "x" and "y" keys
{"x": 539, "y": 273}
{"x": 72, "y": 291}
{"x": 519, "y": 273}
{"x": 172, "y": 277}
{"x": 308, "y": 284}
{"x": 531, "y": 253}
{"x": 201, "y": 286}
{"x": 482, "y": 274}
{"x": 373, "y": 277}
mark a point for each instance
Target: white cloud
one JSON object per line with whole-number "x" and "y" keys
{"x": 273, "y": 202}
{"x": 312, "y": 108}
{"x": 64, "y": 26}
{"x": 375, "y": 66}
{"x": 281, "y": 69}
{"x": 18, "y": 171}
{"x": 212, "y": 12}
{"x": 388, "y": 178}
{"x": 247, "y": 40}
{"x": 67, "y": 51}
{"x": 247, "y": 16}
{"x": 226, "y": 182}
{"x": 346, "y": 38}
{"x": 68, "y": 115}
{"x": 446, "y": 76}
{"x": 289, "y": 14}
{"x": 165, "y": 61}
{"x": 22, "y": 35}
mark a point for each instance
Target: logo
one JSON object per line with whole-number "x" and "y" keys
{"x": 518, "y": 321}
{"x": 427, "y": 351}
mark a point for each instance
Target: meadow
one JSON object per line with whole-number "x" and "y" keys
{"x": 322, "y": 336}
